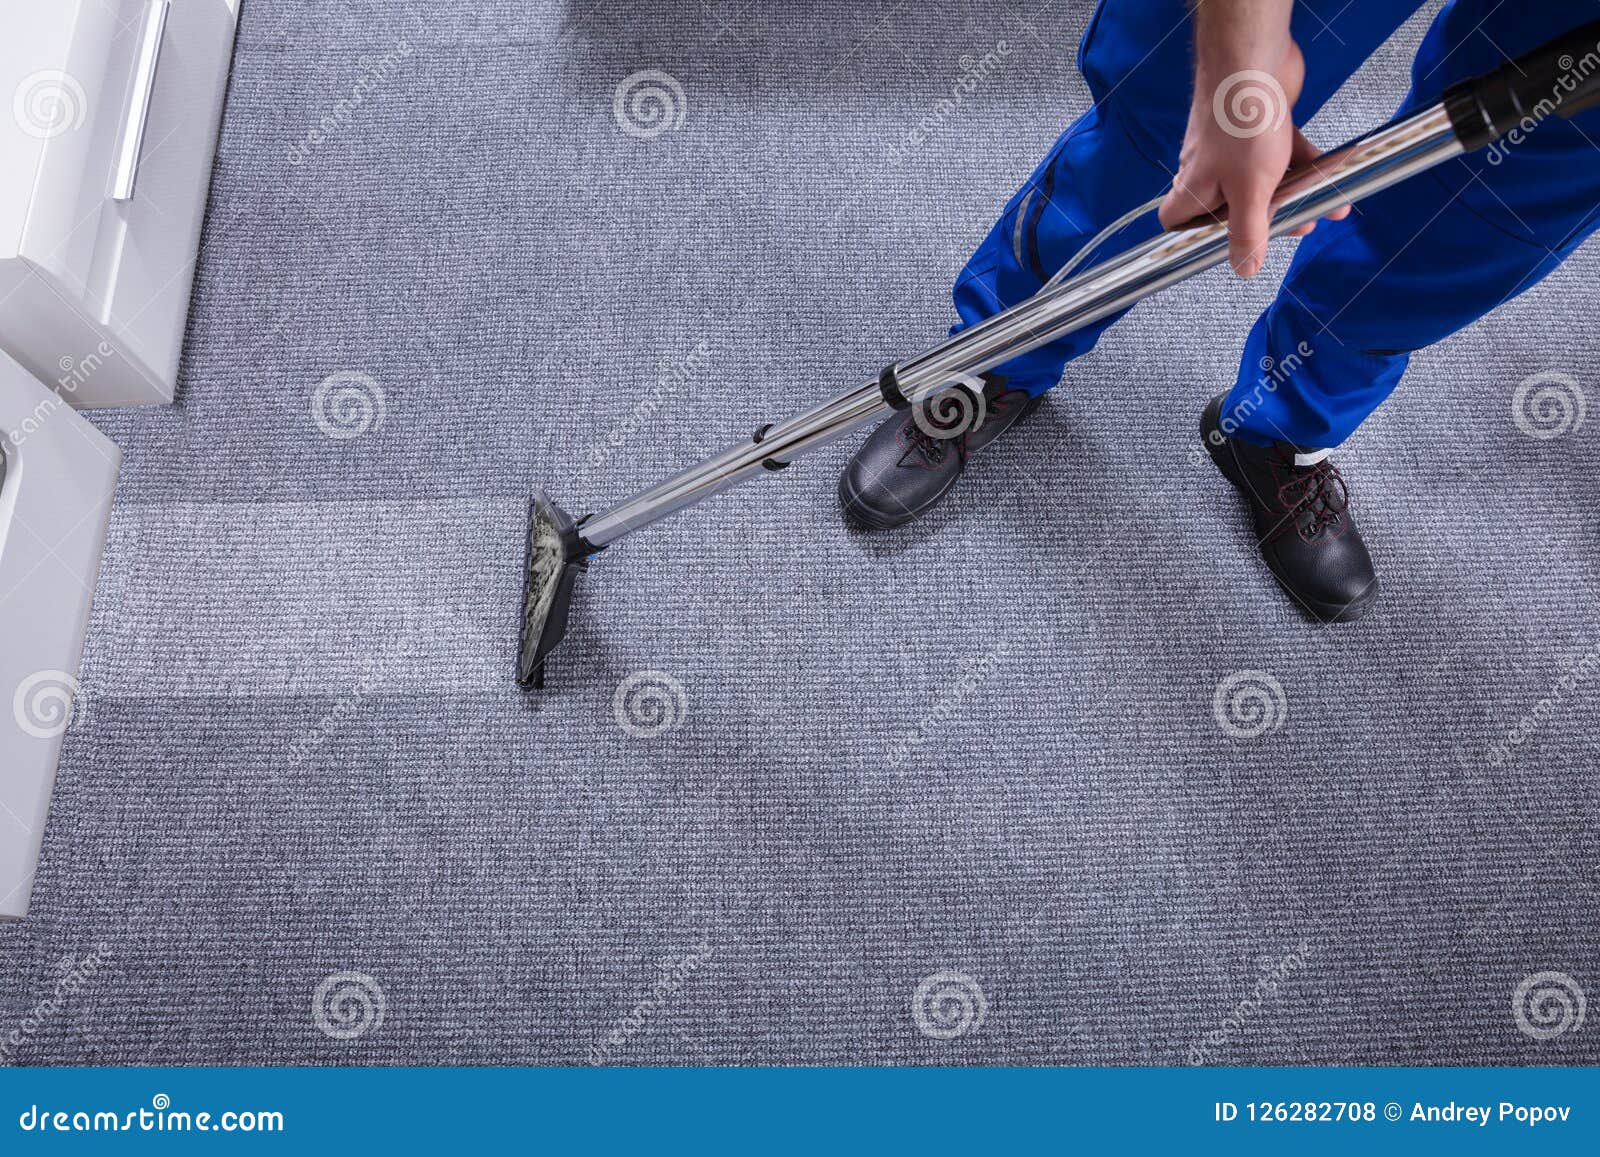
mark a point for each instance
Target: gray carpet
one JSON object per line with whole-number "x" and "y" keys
{"x": 984, "y": 747}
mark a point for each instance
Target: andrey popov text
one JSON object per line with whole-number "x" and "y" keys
{"x": 1449, "y": 1113}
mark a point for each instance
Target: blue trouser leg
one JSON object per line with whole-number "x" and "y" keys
{"x": 1417, "y": 262}
{"x": 1136, "y": 58}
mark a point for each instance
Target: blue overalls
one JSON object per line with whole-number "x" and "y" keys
{"x": 1410, "y": 266}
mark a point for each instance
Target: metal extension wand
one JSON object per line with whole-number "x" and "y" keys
{"x": 1555, "y": 78}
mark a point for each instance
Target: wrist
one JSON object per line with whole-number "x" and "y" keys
{"x": 1276, "y": 69}
{"x": 1265, "y": 55}
{"x": 1233, "y": 36}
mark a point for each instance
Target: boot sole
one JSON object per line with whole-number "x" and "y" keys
{"x": 1324, "y": 612}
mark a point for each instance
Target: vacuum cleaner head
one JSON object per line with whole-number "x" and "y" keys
{"x": 556, "y": 553}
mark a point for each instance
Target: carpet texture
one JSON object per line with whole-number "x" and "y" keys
{"x": 1055, "y": 776}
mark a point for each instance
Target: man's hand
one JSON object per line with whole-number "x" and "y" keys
{"x": 1241, "y": 138}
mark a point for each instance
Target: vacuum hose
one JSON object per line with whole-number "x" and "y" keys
{"x": 1560, "y": 78}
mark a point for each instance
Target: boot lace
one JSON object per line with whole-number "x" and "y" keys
{"x": 1315, "y": 498}
{"x": 931, "y": 445}
{"x": 932, "y": 449}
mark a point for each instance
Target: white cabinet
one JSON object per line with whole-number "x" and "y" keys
{"x": 109, "y": 112}
{"x": 55, "y": 507}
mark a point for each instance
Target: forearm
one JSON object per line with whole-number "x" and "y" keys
{"x": 1233, "y": 35}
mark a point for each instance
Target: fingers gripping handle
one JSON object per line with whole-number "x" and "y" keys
{"x": 1561, "y": 77}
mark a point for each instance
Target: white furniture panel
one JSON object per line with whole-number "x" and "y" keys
{"x": 109, "y": 111}
{"x": 55, "y": 506}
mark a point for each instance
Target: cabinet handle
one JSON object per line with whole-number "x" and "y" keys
{"x": 131, "y": 141}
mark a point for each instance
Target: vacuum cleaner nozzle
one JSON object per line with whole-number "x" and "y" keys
{"x": 1471, "y": 114}
{"x": 556, "y": 553}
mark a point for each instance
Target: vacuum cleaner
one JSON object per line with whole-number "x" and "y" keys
{"x": 1560, "y": 78}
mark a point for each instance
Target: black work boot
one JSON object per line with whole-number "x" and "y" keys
{"x": 1302, "y": 519}
{"x": 907, "y": 464}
